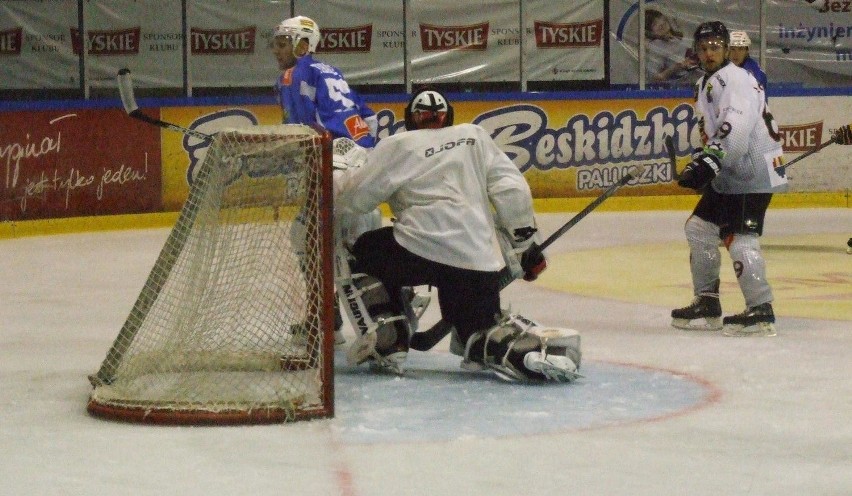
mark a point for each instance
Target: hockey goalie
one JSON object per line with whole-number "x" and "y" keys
{"x": 451, "y": 191}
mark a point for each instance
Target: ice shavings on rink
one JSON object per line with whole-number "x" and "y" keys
{"x": 454, "y": 404}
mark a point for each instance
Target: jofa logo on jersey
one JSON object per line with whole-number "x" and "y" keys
{"x": 449, "y": 146}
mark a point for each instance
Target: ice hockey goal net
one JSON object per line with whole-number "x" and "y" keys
{"x": 234, "y": 323}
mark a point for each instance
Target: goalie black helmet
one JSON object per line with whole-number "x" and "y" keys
{"x": 428, "y": 109}
{"x": 711, "y": 29}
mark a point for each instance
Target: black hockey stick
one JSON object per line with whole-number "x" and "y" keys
{"x": 672, "y": 157}
{"x": 426, "y": 340}
{"x": 125, "y": 89}
{"x": 810, "y": 152}
{"x": 834, "y": 139}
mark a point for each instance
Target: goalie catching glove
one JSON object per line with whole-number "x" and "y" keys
{"x": 843, "y": 136}
{"x": 699, "y": 172}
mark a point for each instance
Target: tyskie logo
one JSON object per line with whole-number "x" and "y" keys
{"x": 107, "y": 42}
{"x": 800, "y": 137}
{"x": 222, "y": 41}
{"x": 442, "y": 38}
{"x": 581, "y": 34}
{"x": 346, "y": 40}
{"x": 10, "y": 41}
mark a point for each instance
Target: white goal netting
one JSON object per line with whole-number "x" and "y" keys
{"x": 234, "y": 322}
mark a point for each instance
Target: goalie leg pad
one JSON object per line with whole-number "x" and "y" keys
{"x": 414, "y": 305}
{"x": 517, "y": 349}
{"x": 382, "y": 333}
{"x": 349, "y": 227}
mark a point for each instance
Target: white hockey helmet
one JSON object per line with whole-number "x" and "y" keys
{"x": 300, "y": 27}
{"x": 740, "y": 39}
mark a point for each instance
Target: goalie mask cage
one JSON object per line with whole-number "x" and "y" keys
{"x": 234, "y": 324}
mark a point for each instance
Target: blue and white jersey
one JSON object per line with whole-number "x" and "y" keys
{"x": 312, "y": 92}
{"x": 753, "y": 68}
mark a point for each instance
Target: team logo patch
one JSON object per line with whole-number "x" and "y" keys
{"x": 357, "y": 127}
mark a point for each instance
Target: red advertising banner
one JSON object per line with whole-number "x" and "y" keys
{"x": 71, "y": 163}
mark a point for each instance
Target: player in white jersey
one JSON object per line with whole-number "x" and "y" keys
{"x": 737, "y": 170}
{"x": 443, "y": 183}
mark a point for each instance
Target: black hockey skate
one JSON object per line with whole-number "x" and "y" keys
{"x": 704, "y": 306}
{"x": 756, "y": 321}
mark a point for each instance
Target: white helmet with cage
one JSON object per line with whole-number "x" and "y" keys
{"x": 740, "y": 39}
{"x": 300, "y": 27}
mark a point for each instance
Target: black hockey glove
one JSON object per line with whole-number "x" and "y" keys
{"x": 533, "y": 262}
{"x": 843, "y": 136}
{"x": 696, "y": 153}
{"x": 699, "y": 172}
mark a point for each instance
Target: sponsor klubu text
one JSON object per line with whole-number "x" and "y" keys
{"x": 440, "y": 38}
{"x": 221, "y": 41}
{"x": 107, "y": 42}
{"x": 354, "y": 39}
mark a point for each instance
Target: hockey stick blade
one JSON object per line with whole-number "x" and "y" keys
{"x": 128, "y": 100}
{"x": 125, "y": 90}
{"x": 428, "y": 339}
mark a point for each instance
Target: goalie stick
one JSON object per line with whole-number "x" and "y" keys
{"x": 426, "y": 340}
{"x": 125, "y": 90}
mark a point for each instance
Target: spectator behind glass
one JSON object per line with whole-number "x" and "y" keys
{"x": 671, "y": 61}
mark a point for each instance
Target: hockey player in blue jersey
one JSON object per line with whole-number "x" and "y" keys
{"x": 313, "y": 92}
{"x": 738, "y": 53}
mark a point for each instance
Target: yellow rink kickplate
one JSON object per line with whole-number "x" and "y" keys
{"x": 811, "y": 275}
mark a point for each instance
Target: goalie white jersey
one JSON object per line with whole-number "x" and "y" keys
{"x": 736, "y": 125}
{"x": 441, "y": 185}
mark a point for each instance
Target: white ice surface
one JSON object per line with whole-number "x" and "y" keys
{"x": 661, "y": 412}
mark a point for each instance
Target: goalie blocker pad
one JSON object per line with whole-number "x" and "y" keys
{"x": 381, "y": 334}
